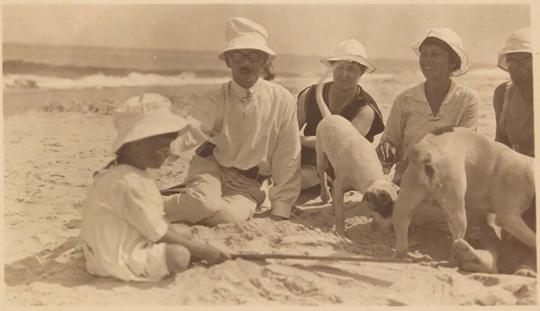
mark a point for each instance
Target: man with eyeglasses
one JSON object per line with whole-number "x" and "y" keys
{"x": 253, "y": 138}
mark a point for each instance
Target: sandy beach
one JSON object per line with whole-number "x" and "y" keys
{"x": 55, "y": 140}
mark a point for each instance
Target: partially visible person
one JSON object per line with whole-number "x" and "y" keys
{"x": 513, "y": 105}
{"x": 513, "y": 100}
{"x": 344, "y": 96}
{"x": 436, "y": 102}
{"x": 253, "y": 137}
{"x": 124, "y": 232}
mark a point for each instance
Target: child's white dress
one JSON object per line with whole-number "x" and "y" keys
{"x": 123, "y": 219}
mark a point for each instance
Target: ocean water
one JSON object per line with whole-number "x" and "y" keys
{"x": 67, "y": 67}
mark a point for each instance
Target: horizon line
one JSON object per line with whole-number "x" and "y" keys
{"x": 168, "y": 50}
{"x": 199, "y": 51}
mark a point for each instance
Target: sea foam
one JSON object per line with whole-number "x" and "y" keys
{"x": 100, "y": 80}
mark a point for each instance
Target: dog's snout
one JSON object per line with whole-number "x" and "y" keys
{"x": 380, "y": 202}
{"x": 370, "y": 197}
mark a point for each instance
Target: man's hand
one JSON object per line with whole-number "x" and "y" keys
{"x": 388, "y": 155}
{"x": 387, "y": 152}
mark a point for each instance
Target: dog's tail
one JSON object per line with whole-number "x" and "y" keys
{"x": 325, "y": 112}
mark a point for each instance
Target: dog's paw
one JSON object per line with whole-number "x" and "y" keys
{"x": 525, "y": 271}
{"x": 473, "y": 260}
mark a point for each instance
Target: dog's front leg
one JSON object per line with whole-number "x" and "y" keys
{"x": 462, "y": 253}
{"x": 457, "y": 217}
{"x": 339, "y": 215}
{"x": 401, "y": 219}
{"x": 322, "y": 165}
{"x": 410, "y": 196}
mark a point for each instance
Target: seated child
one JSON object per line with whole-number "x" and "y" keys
{"x": 124, "y": 232}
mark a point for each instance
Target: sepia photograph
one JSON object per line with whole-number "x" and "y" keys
{"x": 269, "y": 153}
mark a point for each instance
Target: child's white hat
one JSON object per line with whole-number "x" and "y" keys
{"x": 144, "y": 116}
{"x": 519, "y": 41}
{"x": 243, "y": 33}
{"x": 350, "y": 50}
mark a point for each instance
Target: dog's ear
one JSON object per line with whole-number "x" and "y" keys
{"x": 419, "y": 154}
{"x": 371, "y": 198}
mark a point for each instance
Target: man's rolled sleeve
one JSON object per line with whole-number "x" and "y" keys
{"x": 205, "y": 111}
{"x": 286, "y": 164}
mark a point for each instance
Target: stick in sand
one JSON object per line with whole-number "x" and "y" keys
{"x": 255, "y": 256}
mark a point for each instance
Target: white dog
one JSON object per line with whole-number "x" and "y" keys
{"x": 355, "y": 163}
{"x": 461, "y": 169}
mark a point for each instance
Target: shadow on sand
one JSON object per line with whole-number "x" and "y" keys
{"x": 64, "y": 265}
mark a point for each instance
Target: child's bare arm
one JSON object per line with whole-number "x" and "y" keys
{"x": 203, "y": 251}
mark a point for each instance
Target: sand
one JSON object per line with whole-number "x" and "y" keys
{"x": 54, "y": 141}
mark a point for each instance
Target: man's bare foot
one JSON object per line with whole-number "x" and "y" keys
{"x": 528, "y": 267}
{"x": 526, "y": 271}
{"x": 470, "y": 259}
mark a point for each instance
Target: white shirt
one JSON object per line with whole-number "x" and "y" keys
{"x": 259, "y": 129}
{"x": 411, "y": 117}
{"x": 123, "y": 212}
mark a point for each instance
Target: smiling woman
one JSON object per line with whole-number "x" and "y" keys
{"x": 437, "y": 102}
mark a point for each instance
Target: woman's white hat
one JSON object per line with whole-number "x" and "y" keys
{"x": 243, "y": 33}
{"x": 349, "y": 50}
{"x": 453, "y": 40}
{"x": 145, "y": 116}
{"x": 519, "y": 41}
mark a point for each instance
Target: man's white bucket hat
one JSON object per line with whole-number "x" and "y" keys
{"x": 453, "y": 40}
{"x": 349, "y": 50}
{"x": 148, "y": 115}
{"x": 243, "y": 33}
{"x": 519, "y": 41}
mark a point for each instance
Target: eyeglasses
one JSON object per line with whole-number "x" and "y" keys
{"x": 252, "y": 56}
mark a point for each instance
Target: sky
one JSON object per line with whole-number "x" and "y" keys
{"x": 387, "y": 30}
